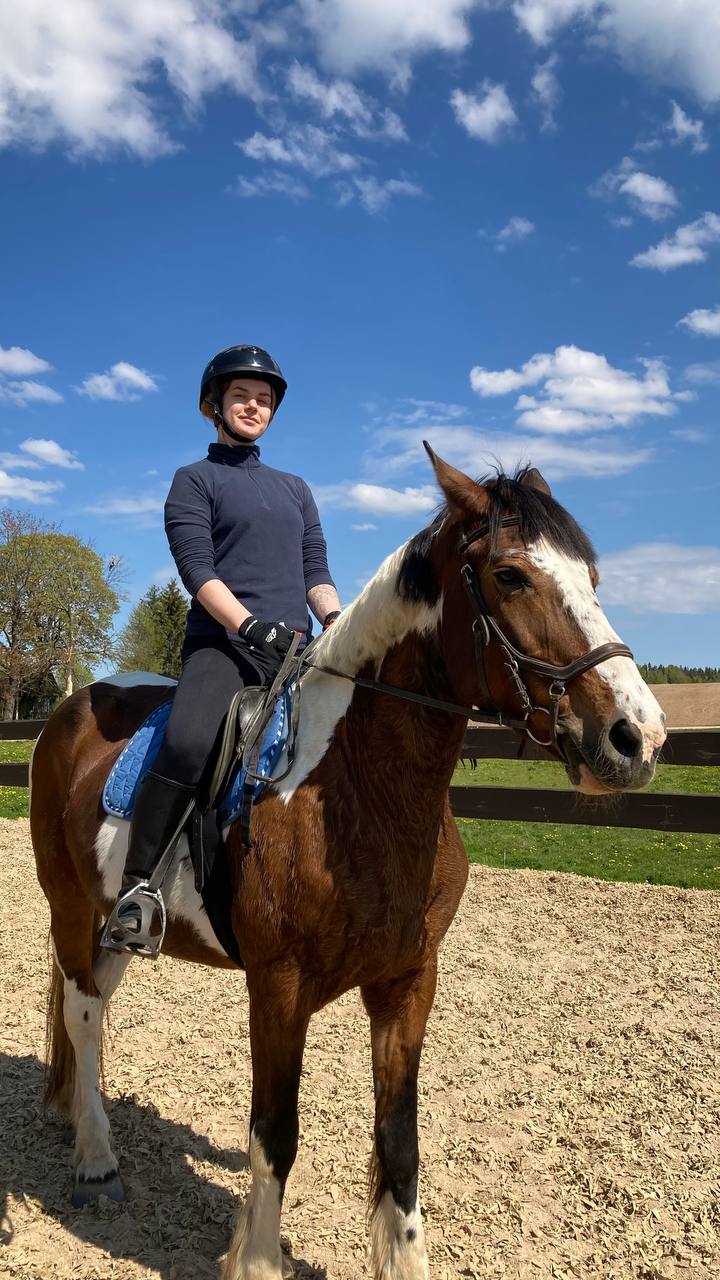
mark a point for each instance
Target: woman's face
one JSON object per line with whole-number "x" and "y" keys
{"x": 247, "y": 407}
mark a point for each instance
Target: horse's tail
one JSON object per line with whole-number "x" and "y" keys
{"x": 59, "y": 1053}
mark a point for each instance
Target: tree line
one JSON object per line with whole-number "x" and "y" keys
{"x": 672, "y": 674}
{"x": 58, "y": 599}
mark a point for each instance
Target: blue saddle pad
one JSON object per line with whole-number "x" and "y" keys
{"x": 139, "y": 755}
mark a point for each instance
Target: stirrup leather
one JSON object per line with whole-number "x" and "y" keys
{"x": 137, "y": 922}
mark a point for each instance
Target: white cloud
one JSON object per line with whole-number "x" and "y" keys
{"x": 305, "y": 147}
{"x": 651, "y": 196}
{"x": 477, "y": 451}
{"x": 703, "y": 321}
{"x": 662, "y": 577}
{"x": 354, "y": 35}
{"x": 122, "y": 381}
{"x": 50, "y": 453}
{"x": 704, "y": 374}
{"x": 515, "y": 229}
{"x": 364, "y": 528}
{"x": 683, "y": 129}
{"x": 546, "y": 92}
{"x": 20, "y": 489}
{"x": 339, "y": 99}
{"x": 374, "y": 194}
{"x": 687, "y": 245}
{"x": 675, "y": 43}
{"x": 86, "y": 74}
{"x": 140, "y": 505}
{"x": 582, "y": 391}
{"x": 17, "y": 361}
{"x": 270, "y": 184}
{"x": 28, "y": 392}
{"x": 377, "y": 499}
{"x": 489, "y": 117}
{"x": 692, "y": 435}
{"x": 416, "y": 412}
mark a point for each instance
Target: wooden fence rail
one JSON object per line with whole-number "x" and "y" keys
{"x": 653, "y": 811}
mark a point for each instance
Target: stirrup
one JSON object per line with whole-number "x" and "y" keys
{"x": 130, "y": 923}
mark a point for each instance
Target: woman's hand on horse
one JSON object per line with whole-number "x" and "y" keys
{"x": 272, "y": 639}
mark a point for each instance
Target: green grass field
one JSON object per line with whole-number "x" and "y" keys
{"x": 610, "y": 853}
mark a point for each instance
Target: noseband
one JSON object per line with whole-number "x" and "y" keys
{"x": 515, "y": 661}
{"x": 484, "y": 628}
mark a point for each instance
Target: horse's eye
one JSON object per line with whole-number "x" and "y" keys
{"x": 510, "y": 579}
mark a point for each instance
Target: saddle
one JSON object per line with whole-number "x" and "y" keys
{"x": 261, "y": 722}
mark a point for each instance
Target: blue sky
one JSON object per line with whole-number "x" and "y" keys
{"x": 496, "y": 226}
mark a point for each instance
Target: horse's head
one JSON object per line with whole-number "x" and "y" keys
{"x": 523, "y": 631}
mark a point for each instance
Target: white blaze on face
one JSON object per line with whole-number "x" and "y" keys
{"x": 632, "y": 697}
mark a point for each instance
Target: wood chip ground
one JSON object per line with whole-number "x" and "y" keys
{"x": 569, "y": 1109}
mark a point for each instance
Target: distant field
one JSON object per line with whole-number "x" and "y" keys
{"x": 609, "y": 853}
{"x": 689, "y": 706}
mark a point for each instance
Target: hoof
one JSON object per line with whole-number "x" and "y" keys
{"x": 89, "y": 1190}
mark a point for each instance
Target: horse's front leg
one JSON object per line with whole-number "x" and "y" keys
{"x": 279, "y": 1018}
{"x": 398, "y": 1016}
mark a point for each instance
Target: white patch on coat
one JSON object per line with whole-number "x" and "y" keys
{"x": 397, "y": 1242}
{"x": 632, "y": 696}
{"x": 182, "y": 900}
{"x": 255, "y": 1252}
{"x": 379, "y": 619}
{"x": 83, "y": 1022}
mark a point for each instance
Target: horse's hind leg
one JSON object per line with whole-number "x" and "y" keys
{"x": 79, "y": 995}
{"x": 398, "y": 1016}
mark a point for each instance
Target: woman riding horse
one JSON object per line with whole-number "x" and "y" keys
{"x": 250, "y": 550}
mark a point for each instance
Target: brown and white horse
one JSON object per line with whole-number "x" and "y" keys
{"x": 357, "y": 867}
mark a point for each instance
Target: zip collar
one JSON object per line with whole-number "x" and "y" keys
{"x": 235, "y": 456}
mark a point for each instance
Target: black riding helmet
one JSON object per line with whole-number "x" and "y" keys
{"x": 234, "y": 361}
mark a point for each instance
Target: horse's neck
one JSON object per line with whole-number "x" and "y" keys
{"x": 376, "y": 622}
{"x": 383, "y": 635}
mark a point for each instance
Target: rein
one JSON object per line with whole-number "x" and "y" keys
{"x": 484, "y": 628}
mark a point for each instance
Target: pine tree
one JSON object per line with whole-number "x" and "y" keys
{"x": 152, "y": 639}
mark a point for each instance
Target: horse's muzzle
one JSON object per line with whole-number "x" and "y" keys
{"x": 618, "y": 761}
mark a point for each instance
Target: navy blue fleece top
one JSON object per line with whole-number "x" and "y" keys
{"x": 230, "y": 517}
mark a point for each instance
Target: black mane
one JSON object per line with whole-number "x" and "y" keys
{"x": 538, "y": 514}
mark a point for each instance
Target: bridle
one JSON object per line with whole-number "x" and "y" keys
{"x": 515, "y": 661}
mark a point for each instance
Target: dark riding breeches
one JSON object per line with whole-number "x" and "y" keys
{"x": 213, "y": 669}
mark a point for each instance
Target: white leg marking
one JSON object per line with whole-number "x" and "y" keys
{"x": 83, "y": 1020}
{"x": 109, "y": 971}
{"x": 182, "y": 900}
{"x": 379, "y": 619}
{"x": 255, "y": 1252}
{"x": 397, "y": 1242}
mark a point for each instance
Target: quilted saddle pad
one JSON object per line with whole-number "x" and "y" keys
{"x": 139, "y": 755}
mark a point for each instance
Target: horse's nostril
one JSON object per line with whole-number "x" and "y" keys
{"x": 626, "y": 738}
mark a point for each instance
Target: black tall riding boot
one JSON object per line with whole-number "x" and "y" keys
{"x": 137, "y": 921}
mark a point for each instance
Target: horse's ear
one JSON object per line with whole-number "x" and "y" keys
{"x": 533, "y": 480}
{"x": 461, "y": 492}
